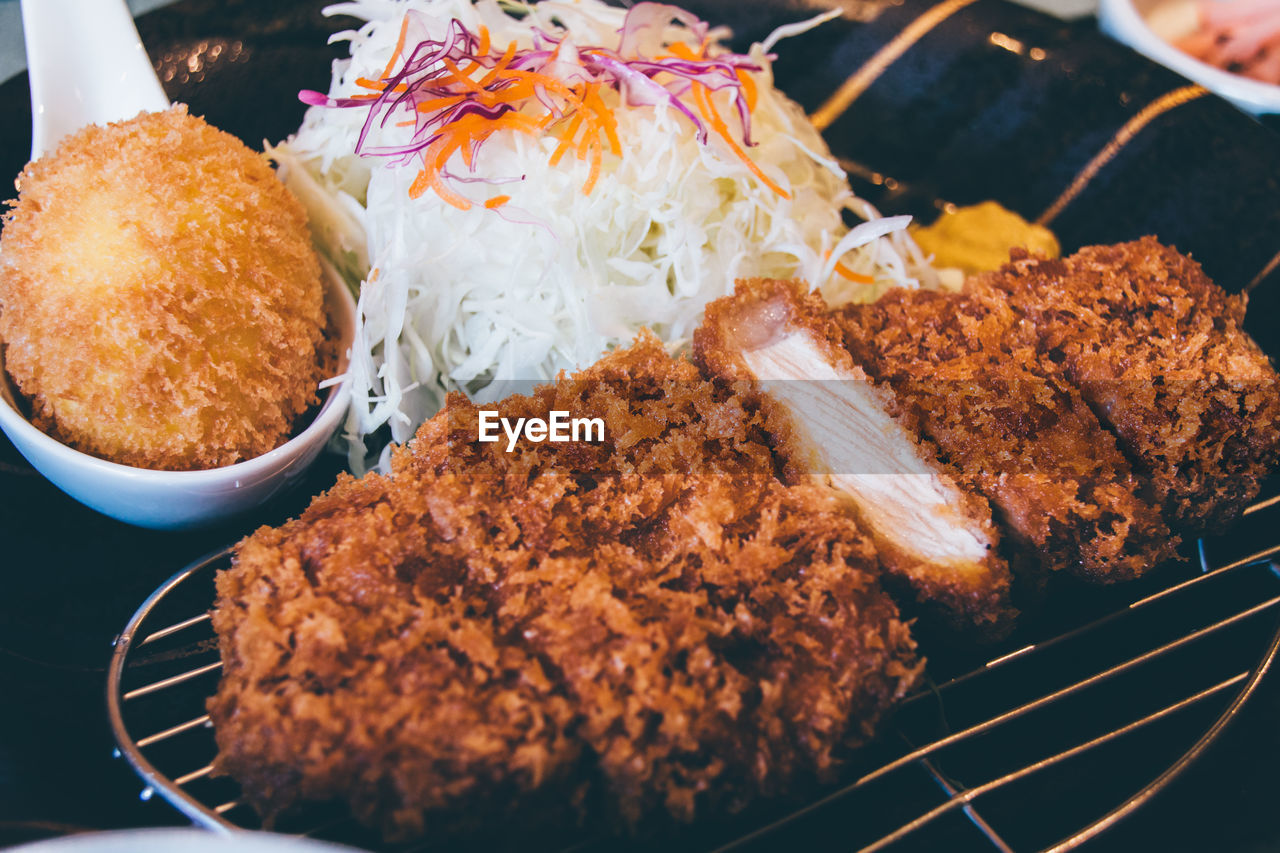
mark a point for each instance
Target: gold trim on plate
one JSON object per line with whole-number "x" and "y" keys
{"x": 862, "y": 79}
{"x": 1145, "y": 116}
{"x": 1266, "y": 271}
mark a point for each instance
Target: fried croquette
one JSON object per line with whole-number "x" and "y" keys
{"x": 717, "y": 635}
{"x": 160, "y": 300}
{"x": 1159, "y": 352}
{"x": 970, "y": 369}
{"x": 833, "y": 424}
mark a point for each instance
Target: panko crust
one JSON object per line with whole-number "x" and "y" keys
{"x": 737, "y": 322}
{"x": 723, "y": 635}
{"x": 973, "y": 598}
{"x": 1159, "y": 352}
{"x": 969, "y": 367}
{"x": 160, "y": 300}
{"x": 718, "y": 635}
{"x": 358, "y": 668}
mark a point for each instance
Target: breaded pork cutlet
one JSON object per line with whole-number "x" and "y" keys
{"x": 722, "y": 636}
{"x": 715, "y": 634}
{"x": 1159, "y": 353}
{"x": 358, "y": 668}
{"x": 830, "y": 423}
{"x": 970, "y": 369}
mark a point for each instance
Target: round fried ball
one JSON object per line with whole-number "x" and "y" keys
{"x": 160, "y": 300}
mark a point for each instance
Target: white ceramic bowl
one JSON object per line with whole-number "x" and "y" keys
{"x": 1127, "y": 21}
{"x": 179, "y": 841}
{"x": 170, "y": 500}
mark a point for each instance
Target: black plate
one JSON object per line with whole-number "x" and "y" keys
{"x": 988, "y": 101}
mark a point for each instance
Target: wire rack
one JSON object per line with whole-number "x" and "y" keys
{"x": 1040, "y": 747}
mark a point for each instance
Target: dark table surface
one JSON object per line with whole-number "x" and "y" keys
{"x": 73, "y": 577}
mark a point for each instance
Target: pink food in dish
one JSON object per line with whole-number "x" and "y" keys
{"x": 1241, "y": 36}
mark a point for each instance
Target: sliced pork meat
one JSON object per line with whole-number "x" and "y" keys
{"x": 831, "y": 424}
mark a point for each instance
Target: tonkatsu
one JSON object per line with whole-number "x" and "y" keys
{"x": 1159, "y": 352}
{"x": 830, "y": 423}
{"x": 968, "y": 366}
{"x": 656, "y": 612}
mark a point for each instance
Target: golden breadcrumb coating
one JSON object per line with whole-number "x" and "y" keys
{"x": 1159, "y": 352}
{"x": 160, "y": 301}
{"x": 357, "y": 668}
{"x": 1019, "y": 432}
{"x": 828, "y": 421}
{"x": 717, "y": 635}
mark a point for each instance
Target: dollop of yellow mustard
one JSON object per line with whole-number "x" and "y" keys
{"x": 978, "y": 238}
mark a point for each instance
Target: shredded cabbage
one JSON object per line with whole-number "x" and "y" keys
{"x": 476, "y": 299}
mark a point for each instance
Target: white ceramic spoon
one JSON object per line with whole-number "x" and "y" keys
{"x": 86, "y": 66}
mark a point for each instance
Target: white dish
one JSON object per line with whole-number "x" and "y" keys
{"x": 178, "y": 841}
{"x": 1127, "y": 21}
{"x": 171, "y": 500}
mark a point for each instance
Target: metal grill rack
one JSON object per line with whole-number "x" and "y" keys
{"x": 1077, "y": 722}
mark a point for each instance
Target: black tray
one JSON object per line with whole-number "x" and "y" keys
{"x": 981, "y": 99}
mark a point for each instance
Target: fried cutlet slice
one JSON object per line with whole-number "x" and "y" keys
{"x": 656, "y": 610}
{"x": 722, "y": 635}
{"x": 1159, "y": 352}
{"x": 358, "y": 668}
{"x": 830, "y": 423}
{"x": 1019, "y": 432}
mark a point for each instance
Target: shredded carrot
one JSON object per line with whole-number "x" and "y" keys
{"x": 854, "y": 276}
{"x": 589, "y": 141}
{"x": 567, "y": 139}
{"x": 594, "y": 173}
{"x": 460, "y": 77}
{"x": 440, "y": 103}
{"x": 379, "y": 86}
{"x": 467, "y": 147}
{"x": 608, "y": 122}
{"x": 592, "y": 135}
{"x": 507, "y": 55}
{"x": 465, "y": 134}
{"x": 708, "y": 109}
{"x": 395, "y": 54}
{"x": 682, "y": 50}
{"x": 575, "y": 115}
{"x": 439, "y": 152}
{"x": 431, "y": 178}
{"x": 475, "y": 66}
{"x": 749, "y": 91}
{"x": 509, "y": 121}
{"x": 453, "y": 198}
{"x": 512, "y": 93}
{"x": 419, "y": 185}
{"x": 546, "y": 80}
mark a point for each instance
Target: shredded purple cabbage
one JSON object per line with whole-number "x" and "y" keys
{"x": 635, "y": 69}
